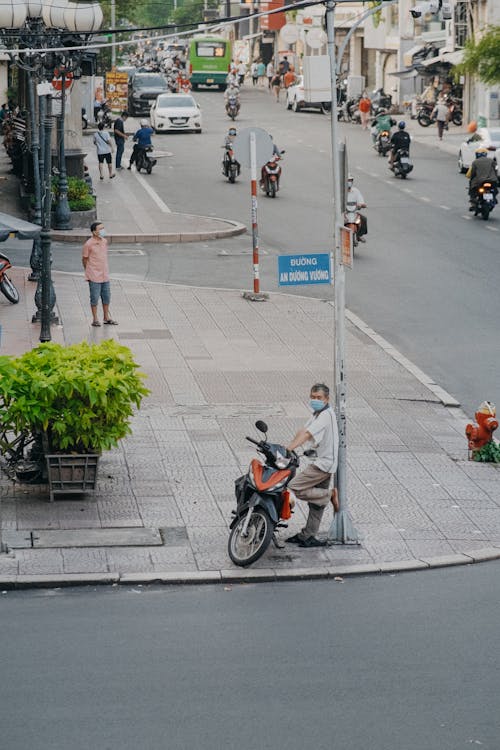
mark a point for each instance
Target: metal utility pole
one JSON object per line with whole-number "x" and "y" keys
{"x": 341, "y": 530}
{"x": 113, "y": 26}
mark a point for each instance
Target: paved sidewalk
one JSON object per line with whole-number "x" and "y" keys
{"x": 216, "y": 363}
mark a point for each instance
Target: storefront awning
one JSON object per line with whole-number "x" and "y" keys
{"x": 11, "y": 226}
{"x": 453, "y": 58}
{"x": 408, "y": 56}
{"x": 409, "y": 73}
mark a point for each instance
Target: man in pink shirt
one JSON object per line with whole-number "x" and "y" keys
{"x": 95, "y": 263}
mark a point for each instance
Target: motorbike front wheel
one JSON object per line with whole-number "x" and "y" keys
{"x": 9, "y": 290}
{"x": 423, "y": 119}
{"x": 457, "y": 117}
{"x": 244, "y": 551}
{"x": 272, "y": 189}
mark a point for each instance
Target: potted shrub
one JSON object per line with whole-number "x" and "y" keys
{"x": 75, "y": 401}
{"x": 80, "y": 199}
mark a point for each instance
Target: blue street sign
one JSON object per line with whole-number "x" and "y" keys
{"x": 304, "y": 269}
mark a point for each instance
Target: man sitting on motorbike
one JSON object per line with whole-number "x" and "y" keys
{"x": 383, "y": 121}
{"x": 481, "y": 170}
{"x": 400, "y": 141}
{"x": 354, "y": 195}
{"x": 275, "y": 157}
{"x": 232, "y": 91}
{"x": 228, "y": 146}
{"x": 142, "y": 140}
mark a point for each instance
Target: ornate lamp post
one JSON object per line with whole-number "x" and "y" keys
{"x": 43, "y": 25}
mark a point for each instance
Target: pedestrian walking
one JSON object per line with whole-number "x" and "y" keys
{"x": 365, "y": 106}
{"x": 276, "y": 85}
{"x": 313, "y": 483}
{"x": 270, "y": 73}
{"x": 120, "y": 138}
{"x": 441, "y": 112}
{"x": 254, "y": 70}
{"x": 242, "y": 71}
{"x": 102, "y": 141}
{"x": 95, "y": 263}
{"x": 261, "y": 73}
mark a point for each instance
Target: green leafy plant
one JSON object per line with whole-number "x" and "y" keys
{"x": 81, "y": 396}
{"x": 489, "y": 453}
{"x": 482, "y": 57}
{"x": 79, "y": 196}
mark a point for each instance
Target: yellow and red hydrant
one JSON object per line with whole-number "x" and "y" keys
{"x": 481, "y": 433}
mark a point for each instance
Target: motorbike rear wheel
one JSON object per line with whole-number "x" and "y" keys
{"x": 244, "y": 551}
{"x": 457, "y": 117}
{"x": 485, "y": 212}
{"x": 9, "y": 290}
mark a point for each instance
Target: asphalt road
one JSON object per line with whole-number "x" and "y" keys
{"x": 427, "y": 280}
{"x": 400, "y": 662}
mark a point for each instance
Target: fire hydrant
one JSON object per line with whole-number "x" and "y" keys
{"x": 481, "y": 433}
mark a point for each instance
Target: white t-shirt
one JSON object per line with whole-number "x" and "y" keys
{"x": 353, "y": 194}
{"x": 270, "y": 69}
{"x": 324, "y": 431}
{"x": 102, "y": 141}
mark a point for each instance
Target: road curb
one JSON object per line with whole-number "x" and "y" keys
{"x": 257, "y": 575}
{"x": 228, "y": 228}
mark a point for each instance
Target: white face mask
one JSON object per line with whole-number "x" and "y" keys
{"x": 101, "y": 233}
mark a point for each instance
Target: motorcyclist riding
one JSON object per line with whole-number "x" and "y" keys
{"x": 400, "y": 141}
{"x": 228, "y": 146}
{"x": 142, "y": 140}
{"x": 383, "y": 121}
{"x": 275, "y": 157}
{"x": 481, "y": 170}
{"x": 354, "y": 195}
{"x": 232, "y": 91}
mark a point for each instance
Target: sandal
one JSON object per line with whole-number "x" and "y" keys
{"x": 95, "y": 323}
{"x": 110, "y": 322}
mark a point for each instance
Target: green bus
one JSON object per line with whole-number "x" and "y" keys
{"x": 209, "y": 61}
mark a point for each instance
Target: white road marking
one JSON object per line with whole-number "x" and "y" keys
{"x": 445, "y": 208}
{"x": 373, "y": 174}
{"x": 467, "y": 218}
{"x": 154, "y": 195}
{"x": 492, "y": 229}
{"x": 424, "y": 198}
{"x": 408, "y": 190}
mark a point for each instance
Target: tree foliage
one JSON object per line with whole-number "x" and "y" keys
{"x": 482, "y": 57}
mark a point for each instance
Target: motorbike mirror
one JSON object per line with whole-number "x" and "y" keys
{"x": 311, "y": 453}
{"x": 283, "y": 151}
{"x": 261, "y": 426}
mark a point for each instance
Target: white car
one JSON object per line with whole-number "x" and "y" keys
{"x": 487, "y": 137}
{"x": 175, "y": 112}
{"x": 295, "y": 98}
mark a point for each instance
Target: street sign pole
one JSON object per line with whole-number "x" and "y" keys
{"x": 255, "y": 227}
{"x": 253, "y": 147}
{"x": 341, "y": 530}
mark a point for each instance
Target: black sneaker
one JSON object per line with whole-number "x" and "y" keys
{"x": 312, "y": 542}
{"x": 295, "y": 539}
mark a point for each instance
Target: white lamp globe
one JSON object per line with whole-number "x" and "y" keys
{"x": 83, "y": 17}
{"x": 12, "y": 14}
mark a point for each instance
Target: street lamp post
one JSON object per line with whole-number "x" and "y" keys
{"x": 41, "y": 27}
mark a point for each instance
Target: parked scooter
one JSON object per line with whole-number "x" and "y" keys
{"x": 6, "y": 286}
{"x": 484, "y": 201}
{"x": 104, "y": 114}
{"x": 262, "y": 500}
{"x": 401, "y": 165}
{"x": 271, "y": 173}
{"x": 85, "y": 119}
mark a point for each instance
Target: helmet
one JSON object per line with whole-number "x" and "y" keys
{"x": 481, "y": 151}
{"x": 402, "y": 125}
{"x": 144, "y": 123}
{"x": 232, "y": 131}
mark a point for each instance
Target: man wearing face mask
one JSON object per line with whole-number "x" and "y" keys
{"x": 95, "y": 263}
{"x": 312, "y": 484}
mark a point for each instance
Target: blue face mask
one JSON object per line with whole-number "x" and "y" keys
{"x": 317, "y": 404}
{"x": 102, "y": 233}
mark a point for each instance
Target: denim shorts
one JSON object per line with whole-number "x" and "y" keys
{"x": 99, "y": 289}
